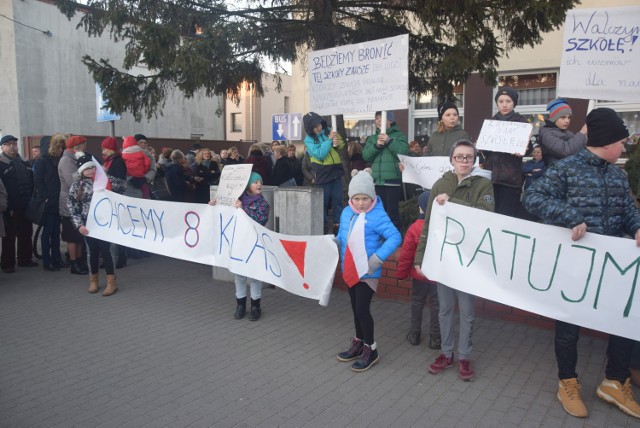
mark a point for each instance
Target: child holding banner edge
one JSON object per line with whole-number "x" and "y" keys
{"x": 79, "y": 202}
{"x": 586, "y": 192}
{"x": 467, "y": 186}
{"x": 367, "y": 238}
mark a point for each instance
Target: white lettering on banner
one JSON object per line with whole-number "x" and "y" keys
{"x": 506, "y": 137}
{"x": 535, "y": 267}
{"x": 360, "y": 78}
{"x": 217, "y": 236}
{"x": 601, "y": 56}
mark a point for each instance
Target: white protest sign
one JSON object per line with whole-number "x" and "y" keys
{"x": 601, "y": 54}
{"x": 536, "y": 268}
{"x": 424, "y": 171}
{"x": 360, "y": 78}
{"x": 217, "y": 236}
{"x": 503, "y": 136}
{"x": 233, "y": 181}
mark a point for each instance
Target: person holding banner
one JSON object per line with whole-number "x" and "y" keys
{"x": 80, "y": 194}
{"x": 467, "y": 186}
{"x": 506, "y": 168}
{"x": 555, "y": 137}
{"x": 367, "y": 238}
{"x": 449, "y": 131}
{"x": 586, "y": 192}
{"x": 381, "y": 151}
{"x": 257, "y": 208}
{"x": 324, "y": 146}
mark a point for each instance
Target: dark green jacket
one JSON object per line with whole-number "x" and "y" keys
{"x": 474, "y": 191}
{"x": 440, "y": 142}
{"x": 384, "y": 160}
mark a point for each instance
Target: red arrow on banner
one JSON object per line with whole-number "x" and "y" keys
{"x": 296, "y": 250}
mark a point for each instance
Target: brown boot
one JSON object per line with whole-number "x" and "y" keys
{"x": 93, "y": 283}
{"x": 635, "y": 376}
{"x": 111, "y": 286}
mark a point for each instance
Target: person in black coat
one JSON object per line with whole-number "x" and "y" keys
{"x": 115, "y": 166}
{"x": 206, "y": 173}
{"x": 177, "y": 182}
{"x": 295, "y": 165}
{"x": 47, "y": 186}
{"x": 17, "y": 177}
{"x": 282, "y": 174}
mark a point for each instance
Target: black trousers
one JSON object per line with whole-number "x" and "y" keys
{"x": 98, "y": 247}
{"x": 391, "y": 197}
{"x": 17, "y": 228}
{"x": 361, "y": 295}
{"x": 619, "y": 351}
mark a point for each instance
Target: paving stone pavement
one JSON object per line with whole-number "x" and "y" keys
{"x": 165, "y": 351}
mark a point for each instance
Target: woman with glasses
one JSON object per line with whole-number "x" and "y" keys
{"x": 468, "y": 186}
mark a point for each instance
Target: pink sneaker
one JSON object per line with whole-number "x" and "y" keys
{"x": 465, "y": 369}
{"x": 441, "y": 364}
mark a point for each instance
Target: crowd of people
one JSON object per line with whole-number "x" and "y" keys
{"x": 563, "y": 184}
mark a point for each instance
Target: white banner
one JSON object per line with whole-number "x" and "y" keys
{"x": 506, "y": 137}
{"x": 601, "y": 54}
{"x": 424, "y": 171}
{"x": 360, "y": 78}
{"x": 217, "y": 236}
{"x": 536, "y": 267}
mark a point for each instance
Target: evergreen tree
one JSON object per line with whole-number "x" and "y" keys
{"x": 215, "y": 45}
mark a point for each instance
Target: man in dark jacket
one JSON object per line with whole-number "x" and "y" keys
{"x": 47, "y": 184}
{"x": 586, "y": 192}
{"x": 17, "y": 177}
{"x": 381, "y": 150}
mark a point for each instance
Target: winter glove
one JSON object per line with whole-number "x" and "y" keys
{"x": 374, "y": 264}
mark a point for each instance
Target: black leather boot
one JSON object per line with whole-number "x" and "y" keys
{"x": 368, "y": 358}
{"x": 241, "y": 309}
{"x": 255, "y": 310}
{"x": 77, "y": 268}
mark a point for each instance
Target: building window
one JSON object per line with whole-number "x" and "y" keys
{"x": 425, "y": 118}
{"x": 236, "y": 122}
{"x": 535, "y": 91}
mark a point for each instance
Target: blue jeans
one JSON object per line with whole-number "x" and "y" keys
{"x": 333, "y": 191}
{"x": 50, "y": 239}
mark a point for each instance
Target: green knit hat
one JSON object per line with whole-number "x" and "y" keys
{"x": 253, "y": 178}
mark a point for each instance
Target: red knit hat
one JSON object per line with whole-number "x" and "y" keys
{"x": 110, "y": 143}
{"x": 75, "y": 140}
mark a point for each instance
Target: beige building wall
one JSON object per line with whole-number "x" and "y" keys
{"x": 256, "y": 112}
{"x": 10, "y": 118}
{"x": 546, "y": 56}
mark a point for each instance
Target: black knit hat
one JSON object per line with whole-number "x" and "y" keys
{"x": 444, "y": 107}
{"x": 140, "y": 137}
{"x": 508, "y": 91}
{"x": 605, "y": 127}
{"x": 84, "y": 161}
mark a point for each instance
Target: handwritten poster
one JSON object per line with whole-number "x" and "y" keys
{"x": 360, "y": 78}
{"x": 233, "y": 181}
{"x": 506, "y": 137}
{"x": 217, "y": 236}
{"x": 537, "y": 268}
{"x": 601, "y": 54}
{"x": 424, "y": 171}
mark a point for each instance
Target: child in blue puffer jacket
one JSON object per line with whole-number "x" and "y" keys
{"x": 365, "y": 230}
